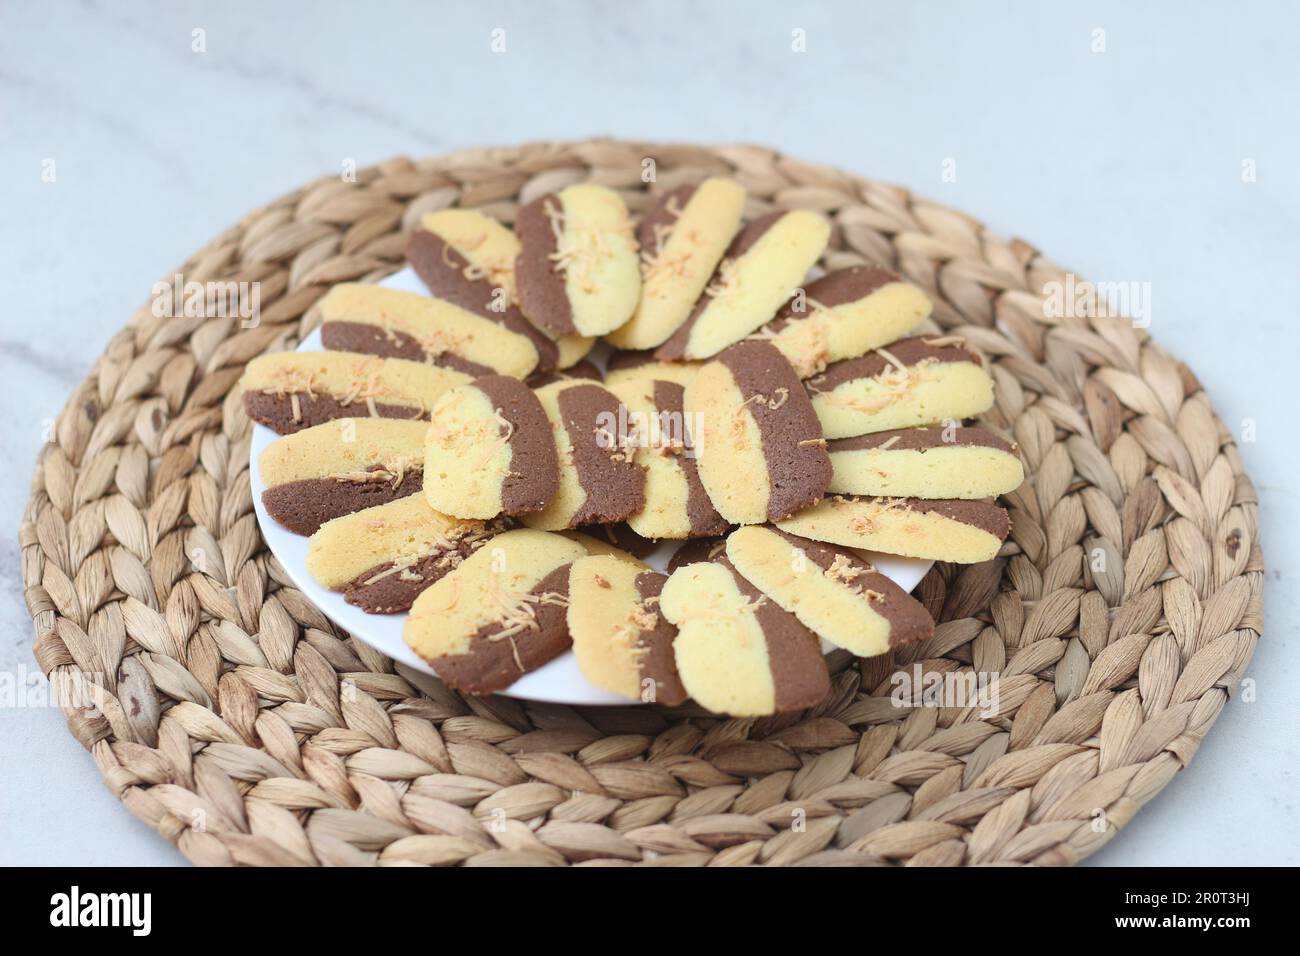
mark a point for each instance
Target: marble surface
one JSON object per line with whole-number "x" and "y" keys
{"x": 1125, "y": 164}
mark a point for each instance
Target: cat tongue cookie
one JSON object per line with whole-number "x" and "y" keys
{"x": 406, "y": 325}
{"x": 963, "y": 532}
{"x": 290, "y": 391}
{"x": 763, "y": 266}
{"x": 676, "y": 504}
{"x": 759, "y": 447}
{"x": 599, "y": 479}
{"x": 738, "y": 652}
{"x": 622, "y": 642}
{"x": 844, "y": 314}
{"x": 835, "y": 593}
{"x": 489, "y": 451}
{"x": 948, "y": 462}
{"x": 682, "y": 237}
{"x": 578, "y": 270}
{"x": 918, "y": 381}
{"x": 339, "y": 467}
{"x": 500, "y": 614}
{"x": 383, "y": 557}
{"x": 468, "y": 259}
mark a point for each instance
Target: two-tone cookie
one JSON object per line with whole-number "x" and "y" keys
{"x": 500, "y": 614}
{"x": 488, "y": 451}
{"x": 468, "y": 258}
{"x": 290, "y": 391}
{"x": 918, "y": 381}
{"x": 578, "y": 271}
{"x": 963, "y": 532}
{"x": 340, "y": 467}
{"x": 698, "y": 549}
{"x": 762, "y": 267}
{"x": 944, "y": 462}
{"x": 738, "y": 652}
{"x": 383, "y": 557}
{"x": 676, "y": 503}
{"x": 643, "y": 366}
{"x": 835, "y": 593}
{"x": 844, "y": 314}
{"x": 356, "y": 317}
{"x": 683, "y": 236}
{"x": 758, "y": 444}
{"x": 622, "y": 643}
{"x": 600, "y": 481}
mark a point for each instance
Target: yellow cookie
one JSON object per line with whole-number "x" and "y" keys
{"x": 290, "y": 391}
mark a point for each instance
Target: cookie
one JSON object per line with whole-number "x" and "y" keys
{"x": 500, "y": 614}
{"x": 676, "y": 504}
{"x": 467, "y": 258}
{"x": 952, "y": 462}
{"x": 489, "y": 451}
{"x": 682, "y": 236}
{"x": 584, "y": 369}
{"x": 643, "y": 366}
{"x": 762, "y": 267}
{"x": 578, "y": 271}
{"x": 290, "y": 391}
{"x": 340, "y": 467}
{"x": 918, "y": 381}
{"x": 844, "y": 314}
{"x": 599, "y": 480}
{"x": 395, "y": 324}
{"x": 738, "y": 652}
{"x": 964, "y": 532}
{"x": 383, "y": 557}
{"x": 835, "y": 593}
{"x": 758, "y": 444}
{"x": 622, "y": 642}
{"x": 490, "y": 250}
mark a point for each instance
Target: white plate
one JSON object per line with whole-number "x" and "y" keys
{"x": 558, "y": 682}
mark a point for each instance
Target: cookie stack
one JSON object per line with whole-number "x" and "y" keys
{"x": 459, "y": 456}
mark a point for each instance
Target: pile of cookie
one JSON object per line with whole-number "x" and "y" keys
{"x": 459, "y": 456}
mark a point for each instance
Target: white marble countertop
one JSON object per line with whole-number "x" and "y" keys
{"x": 1124, "y": 164}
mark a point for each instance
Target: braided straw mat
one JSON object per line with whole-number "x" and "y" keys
{"x": 229, "y": 714}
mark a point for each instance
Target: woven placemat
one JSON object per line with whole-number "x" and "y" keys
{"x": 229, "y": 714}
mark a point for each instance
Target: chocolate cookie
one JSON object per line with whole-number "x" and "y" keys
{"x": 578, "y": 271}
{"x": 763, "y": 266}
{"x": 599, "y": 480}
{"x": 758, "y": 444}
{"x": 676, "y": 504}
{"x": 964, "y": 532}
{"x": 622, "y": 642}
{"x": 500, "y": 614}
{"x": 290, "y": 391}
{"x": 340, "y": 467}
{"x": 682, "y": 236}
{"x": 489, "y": 451}
{"x": 396, "y": 324}
{"x": 468, "y": 259}
{"x": 383, "y": 557}
{"x": 952, "y": 462}
{"x": 842, "y": 315}
{"x": 739, "y": 653}
{"x": 835, "y": 593}
{"x": 923, "y": 380}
